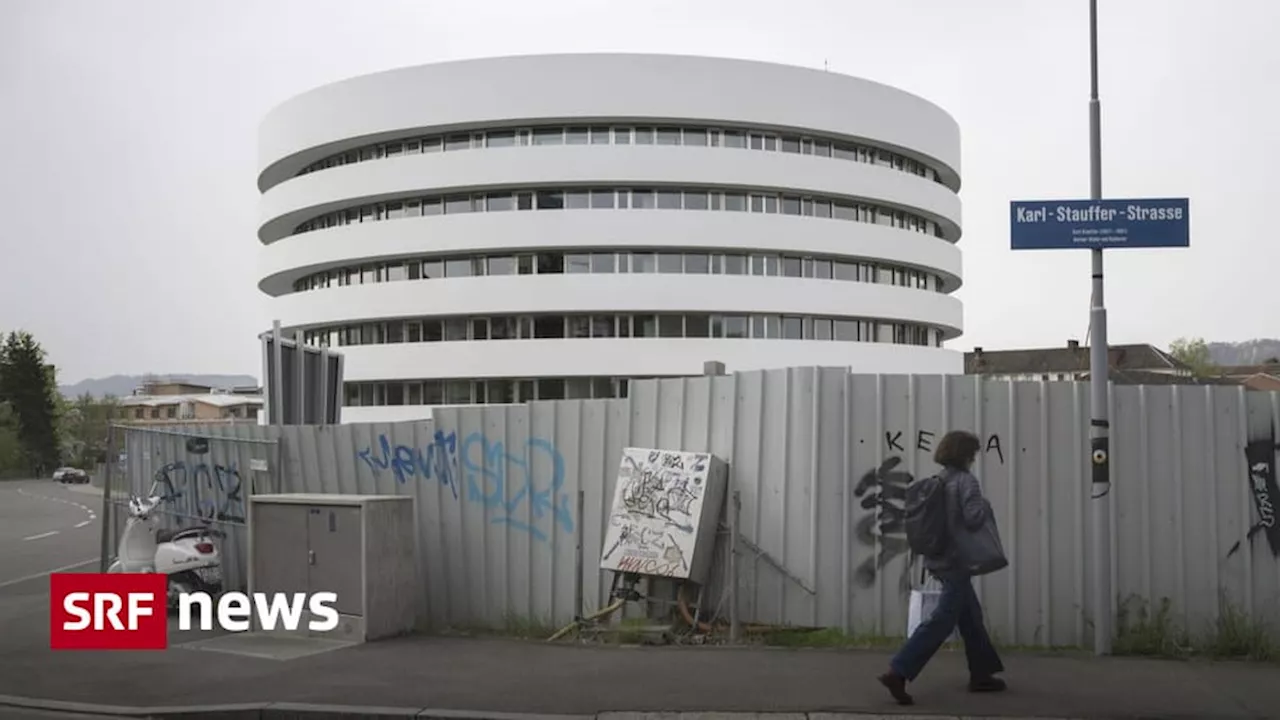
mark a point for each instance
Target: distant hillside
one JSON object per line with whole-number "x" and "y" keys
{"x": 1249, "y": 352}
{"x": 121, "y": 385}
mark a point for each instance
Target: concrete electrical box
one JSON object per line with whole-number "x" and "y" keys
{"x": 665, "y": 514}
{"x": 361, "y": 547}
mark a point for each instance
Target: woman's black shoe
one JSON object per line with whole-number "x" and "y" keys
{"x": 986, "y": 684}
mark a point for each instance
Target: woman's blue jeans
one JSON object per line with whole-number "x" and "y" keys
{"x": 957, "y": 607}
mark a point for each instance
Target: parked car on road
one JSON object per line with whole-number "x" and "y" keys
{"x": 70, "y": 475}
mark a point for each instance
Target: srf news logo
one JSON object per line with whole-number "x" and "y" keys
{"x": 129, "y": 611}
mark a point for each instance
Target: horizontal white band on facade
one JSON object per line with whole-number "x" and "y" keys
{"x": 601, "y": 87}
{"x": 531, "y": 294}
{"x": 629, "y": 357}
{"x": 286, "y": 260}
{"x": 289, "y": 204}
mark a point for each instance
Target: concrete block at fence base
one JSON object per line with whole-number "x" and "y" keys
{"x": 483, "y": 715}
{"x": 303, "y": 711}
{"x": 244, "y": 711}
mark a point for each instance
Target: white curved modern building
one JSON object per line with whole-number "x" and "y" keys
{"x": 504, "y": 229}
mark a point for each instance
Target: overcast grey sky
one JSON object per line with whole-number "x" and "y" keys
{"x": 128, "y": 137}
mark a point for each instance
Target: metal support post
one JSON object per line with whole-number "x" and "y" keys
{"x": 107, "y": 494}
{"x": 578, "y": 613}
{"x": 735, "y": 508}
{"x": 1099, "y": 378}
{"x": 275, "y": 416}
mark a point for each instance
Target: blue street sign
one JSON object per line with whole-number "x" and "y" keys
{"x": 1099, "y": 224}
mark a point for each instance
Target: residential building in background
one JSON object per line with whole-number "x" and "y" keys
{"x": 165, "y": 402}
{"x": 544, "y": 227}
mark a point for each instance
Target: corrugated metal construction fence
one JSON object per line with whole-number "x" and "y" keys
{"x": 203, "y": 477}
{"x": 820, "y": 458}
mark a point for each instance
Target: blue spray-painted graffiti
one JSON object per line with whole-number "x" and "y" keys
{"x": 215, "y": 492}
{"x": 498, "y": 489}
{"x": 438, "y": 460}
{"x": 495, "y": 478}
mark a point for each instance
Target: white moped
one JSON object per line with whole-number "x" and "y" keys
{"x": 187, "y": 555}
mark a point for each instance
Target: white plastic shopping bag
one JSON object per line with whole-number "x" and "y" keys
{"x": 922, "y": 602}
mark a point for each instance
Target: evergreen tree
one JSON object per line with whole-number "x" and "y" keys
{"x": 29, "y": 386}
{"x": 12, "y": 462}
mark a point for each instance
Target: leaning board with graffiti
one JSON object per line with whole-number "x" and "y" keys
{"x": 665, "y": 513}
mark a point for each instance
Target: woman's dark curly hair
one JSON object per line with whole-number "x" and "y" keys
{"x": 957, "y": 450}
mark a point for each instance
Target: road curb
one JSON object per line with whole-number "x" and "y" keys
{"x": 304, "y": 711}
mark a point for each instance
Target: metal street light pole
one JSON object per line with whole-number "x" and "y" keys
{"x": 1099, "y": 426}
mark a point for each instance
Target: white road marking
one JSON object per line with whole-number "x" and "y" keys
{"x": 39, "y": 575}
{"x": 88, "y": 510}
{"x": 42, "y": 535}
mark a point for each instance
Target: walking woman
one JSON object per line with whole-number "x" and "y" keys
{"x": 958, "y": 605}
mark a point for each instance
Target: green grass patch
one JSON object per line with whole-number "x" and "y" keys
{"x": 1233, "y": 636}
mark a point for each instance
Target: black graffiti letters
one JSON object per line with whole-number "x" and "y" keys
{"x": 924, "y": 442}
{"x": 883, "y": 491}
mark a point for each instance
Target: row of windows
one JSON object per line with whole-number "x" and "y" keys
{"x": 625, "y": 325}
{"x": 482, "y": 392}
{"x": 556, "y": 263}
{"x": 615, "y": 135}
{"x": 610, "y": 199}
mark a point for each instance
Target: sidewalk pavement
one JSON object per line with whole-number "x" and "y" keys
{"x": 535, "y": 677}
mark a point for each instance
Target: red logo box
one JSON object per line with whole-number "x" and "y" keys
{"x": 108, "y": 611}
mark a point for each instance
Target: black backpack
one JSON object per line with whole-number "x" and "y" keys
{"x": 928, "y": 530}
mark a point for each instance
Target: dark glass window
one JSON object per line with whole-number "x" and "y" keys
{"x": 550, "y": 200}
{"x": 645, "y": 325}
{"x": 602, "y": 326}
{"x": 548, "y": 136}
{"x": 550, "y": 263}
{"x": 697, "y": 326}
{"x": 501, "y": 265}
{"x": 697, "y": 264}
{"x": 670, "y": 263}
{"x": 502, "y": 328}
{"x": 548, "y": 326}
{"x": 500, "y": 138}
{"x": 579, "y": 326}
{"x": 792, "y": 328}
{"x": 669, "y": 200}
{"x": 643, "y": 263}
{"x": 458, "y": 267}
{"x": 603, "y": 263}
{"x": 670, "y": 326}
{"x": 457, "y": 204}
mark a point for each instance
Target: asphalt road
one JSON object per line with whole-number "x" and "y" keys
{"x": 45, "y": 526}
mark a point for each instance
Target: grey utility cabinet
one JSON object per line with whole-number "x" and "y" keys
{"x": 361, "y": 547}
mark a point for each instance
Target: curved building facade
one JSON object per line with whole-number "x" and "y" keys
{"x": 546, "y": 227}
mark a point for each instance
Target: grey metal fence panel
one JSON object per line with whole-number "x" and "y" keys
{"x": 196, "y": 488}
{"x": 820, "y": 458}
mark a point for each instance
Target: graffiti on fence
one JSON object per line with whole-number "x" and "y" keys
{"x": 657, "y": 505}
{"x": 506, "y": 482}
{"x": 512, "y": 483}
{"x": 1260, "y": 464}
{"x": 209, "y": 492}
{"x": 883, "y": 491}
{"x": 439, "y": 460}
{"x": 924, "y": 442}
